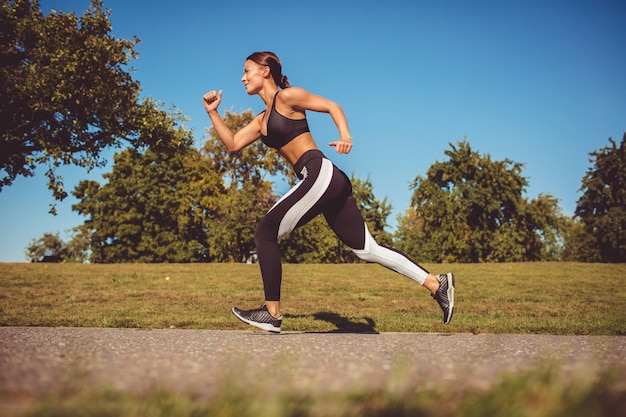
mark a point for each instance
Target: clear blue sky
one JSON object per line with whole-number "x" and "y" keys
{"x": 541, "y": 82}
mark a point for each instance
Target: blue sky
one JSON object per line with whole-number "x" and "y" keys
{"x": 539, "y": 82}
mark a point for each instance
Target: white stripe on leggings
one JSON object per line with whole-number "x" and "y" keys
{"x": 298, "y": 210}
{"x": 373, "y": 252}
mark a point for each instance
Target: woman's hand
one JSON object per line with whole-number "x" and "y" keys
{"x": 212, "y": 100}
{"x": 342, "y": 145}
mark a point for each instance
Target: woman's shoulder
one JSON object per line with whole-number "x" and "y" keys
{"x": 292, "y": 95}
{"x": 291, "y": 92}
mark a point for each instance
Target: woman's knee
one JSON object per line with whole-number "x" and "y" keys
{"x": 367, "y": 251}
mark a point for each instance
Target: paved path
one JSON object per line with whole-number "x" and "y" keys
{"x": 36, "y": 360}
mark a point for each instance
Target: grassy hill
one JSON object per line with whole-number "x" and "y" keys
{"x": 543, "y": 298}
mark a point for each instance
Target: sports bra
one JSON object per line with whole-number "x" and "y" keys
{"x": 282, "y": 130}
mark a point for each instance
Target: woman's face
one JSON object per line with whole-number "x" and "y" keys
{"x": 253, "y": 77}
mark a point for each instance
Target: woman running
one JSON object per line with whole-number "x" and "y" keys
{"x": 322, "y": 189}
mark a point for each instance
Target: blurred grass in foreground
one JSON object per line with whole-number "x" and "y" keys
{"x": 541, "y": 392}
{"x": 540, "y": 298}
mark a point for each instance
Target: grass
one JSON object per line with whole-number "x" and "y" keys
{"x": 541, "y": 392}
{"x": 539, "y": 298}
{"x": 523, "y": 298}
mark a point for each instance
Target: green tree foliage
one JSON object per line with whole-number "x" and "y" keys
{"x": 578, "y": 245}
{"x": 51, "y": 246}
{"x": 374, "y": 211}
{"x": 248, "y": 195}
{"x": 252, "y": 164}
{"x": 470, "y": 209}
{"x": 78, "y": 248}
{"x": 156, "y": 205}
{"x": 177, "y": 204}
{"x": 543, "y": 226}
{"x": 66, "y": 93}
{"x": 240, "y": 210}
{"x": 602, "y": 208}
{"x": 249, "y": 174}
{"x": 314, "y": 242}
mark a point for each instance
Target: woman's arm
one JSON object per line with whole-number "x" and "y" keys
{"x": 300, "y": 99}
{"x": 232, "y": 141}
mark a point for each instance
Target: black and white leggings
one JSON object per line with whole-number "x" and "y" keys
{"x": 323, "y": 188}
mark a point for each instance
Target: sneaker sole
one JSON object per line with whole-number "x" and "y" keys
{"x": 450, "y": 294}
{"x": 263, "y": 326}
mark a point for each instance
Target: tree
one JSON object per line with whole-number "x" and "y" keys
{"x": 176, "y": 204}
{"x": 156, "y": 205}
{"x": 544, "y": 227}
{"x": 78, "y": 248}
{"x": 252, "y": 164}
{"x": 248, "y": 194}
{"x": 49, "y": 246}
{"x": 579, "y": 246}
{"x": 602, "y": 206}
{"x": 374, "y": 211}
{"x": 470, "y": 209}
{"x": 65, "y": 92}
{"x": 240, "y": 210}
{"x": 312, "y": 243}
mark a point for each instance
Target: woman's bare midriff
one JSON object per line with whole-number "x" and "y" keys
{"x": 297, "y": 147}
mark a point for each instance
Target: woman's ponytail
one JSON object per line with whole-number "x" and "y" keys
{"x": 284, "y": 82}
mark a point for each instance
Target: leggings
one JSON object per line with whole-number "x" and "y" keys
{"x": 322, "y": 189}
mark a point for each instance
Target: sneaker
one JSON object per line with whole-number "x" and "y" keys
{"x": 445, "y": 295}
{"x": 260, "y": 318}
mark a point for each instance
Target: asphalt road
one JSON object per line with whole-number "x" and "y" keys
{"x": 35, "y": 360}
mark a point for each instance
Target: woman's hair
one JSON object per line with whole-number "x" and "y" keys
{"x": 271, "y": 60}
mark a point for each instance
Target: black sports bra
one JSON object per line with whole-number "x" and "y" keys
{"x": 282, "y": 130}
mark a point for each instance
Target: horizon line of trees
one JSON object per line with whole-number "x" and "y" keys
{"x": 181, "y": 204}
{"x": 68, "y": 94}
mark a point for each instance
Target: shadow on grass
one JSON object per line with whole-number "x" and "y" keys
{"x": 344, "y": 324}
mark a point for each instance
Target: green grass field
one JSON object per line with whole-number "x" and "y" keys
{"x": 539, "y": 298}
